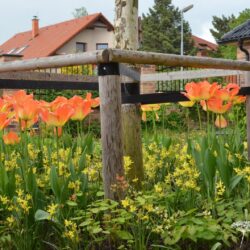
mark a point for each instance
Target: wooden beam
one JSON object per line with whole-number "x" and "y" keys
{"x": 111, "y": 130}
{"x": 188, "y": 74}
{"x": 93, "y": 57}
{"x": 57, "y": 85}
{"x": 44, "y": 76}
{"x": 140, "y": 57}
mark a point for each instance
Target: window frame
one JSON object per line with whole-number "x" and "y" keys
{"x": 102, "y": 44}
{"x": 84, "y": 47}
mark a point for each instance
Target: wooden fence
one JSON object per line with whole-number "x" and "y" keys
{"x": 110, "y": 68}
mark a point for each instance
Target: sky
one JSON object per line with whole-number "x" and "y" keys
{"x": 16, "y": 15}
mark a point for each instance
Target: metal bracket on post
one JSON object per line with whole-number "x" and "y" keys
{"x": 108, "y": 69}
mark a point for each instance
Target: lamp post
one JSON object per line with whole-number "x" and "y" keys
{"x": 186, "y": 9}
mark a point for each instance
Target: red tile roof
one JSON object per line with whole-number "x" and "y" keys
{"x": 51, "y": 38}
{"x": 203, "y": 44}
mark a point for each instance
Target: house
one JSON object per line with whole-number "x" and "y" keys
{"x": 87, "y": 33}
{"x": 203, "y": 46}
{"x": 240, "y": 37}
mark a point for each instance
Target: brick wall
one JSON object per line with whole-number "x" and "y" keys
{"x": 148, "y": 87}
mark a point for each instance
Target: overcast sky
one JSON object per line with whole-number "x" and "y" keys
{"x": 16, "y": 15}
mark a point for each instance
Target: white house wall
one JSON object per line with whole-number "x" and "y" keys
{"x": 89, "y": 36}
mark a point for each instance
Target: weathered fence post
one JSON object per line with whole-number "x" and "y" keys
{"x": 126, "y": 38}
{"x": 111, "y": 129}
{"x": 247, "y": 84}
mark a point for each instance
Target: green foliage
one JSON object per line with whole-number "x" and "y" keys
{"x": 222, "y": 25}
{"x": 162, "y": 29}
{"x": 80, "y": 12}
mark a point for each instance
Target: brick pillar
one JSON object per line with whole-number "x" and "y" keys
{"x": 8, "y": 58}
{"x": 241, "y": 56}
{"x": 148, "y": 87}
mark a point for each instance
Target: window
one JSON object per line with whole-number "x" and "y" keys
{"x": 81, "y": 47}
{"x": 21, "y": 49}
{"x": 101, "y": 46}
{"x": 12, "y": 51}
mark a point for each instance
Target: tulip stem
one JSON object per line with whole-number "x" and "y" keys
{"x": 199, "y": 115}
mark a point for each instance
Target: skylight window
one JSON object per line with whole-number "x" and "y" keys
{"x": 18, "y": 51}
{"x": 12, "y": 51}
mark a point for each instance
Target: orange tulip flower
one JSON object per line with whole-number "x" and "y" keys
{"x": 94, "y": 102}
{"x": 200, "y": 91}
{"x": 29, "y": 123}
{"x": 59, "y": 117}
{"x": 59, "y": 101}
{"x": 11, "y": 138}
{"x": 26, "y": 111}
{"x": 238, "y": 99}
{"x": 18, "y": 97}
{"x": 220, "y": 121}
{"x": 4, "y": 120}
{"x": 216, "y": 105}
{"x": 233, "y": 89}
{"x": 81, "y": 108}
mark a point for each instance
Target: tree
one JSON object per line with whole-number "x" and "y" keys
{"x": 80, "y": 12}
{"x": 162, "y": 29}
{"x": 222, "y": 25}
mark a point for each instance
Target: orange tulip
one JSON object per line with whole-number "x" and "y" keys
{"x": 216, "y": 105}
{"x": 81, "y": 108}
{"x": 26, "y": 111}
{"x": 233, "y": 89}
{"x": 59, "y": 117}
{"x": 18, "y": 97}
{"x": 59, "y": 101}
{"x": 29, "y": 123}
{"x": 200, "y": 91}
{"x": 11, "y": 138}
{"x": 238, "y": 99}
{"x": 220, "y": 121}
{"x": 4, "y": 120}
{"x": 94, "y": 102}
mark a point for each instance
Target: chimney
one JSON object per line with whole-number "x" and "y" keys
{"x": 35, "y": 27}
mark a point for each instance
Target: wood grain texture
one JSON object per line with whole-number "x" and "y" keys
{"x": 140, "y": 57}
{"x": 111, "y": 131}
{"x": 92, "y": 57}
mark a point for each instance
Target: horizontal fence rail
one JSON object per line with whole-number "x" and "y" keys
{"x": 139, "y": 57}
{"x": 94, "y": 57}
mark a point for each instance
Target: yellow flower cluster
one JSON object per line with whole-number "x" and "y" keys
{"x": 93, "y": 168}
{"x": 24, "y": 201}
{"x": 185, "y": 175}
{"x": 71, "y": 231}
{"x": 52, "y": 210}
{"x": 10, "y": 163}
{"x": 244, "y": 172}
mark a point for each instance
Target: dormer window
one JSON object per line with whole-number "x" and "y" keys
{"x": 81, "y": 47}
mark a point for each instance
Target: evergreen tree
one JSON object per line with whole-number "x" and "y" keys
{"x": 221, "y": 26}
{"x": 162, "y": 29}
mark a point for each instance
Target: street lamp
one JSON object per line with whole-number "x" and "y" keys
{"x": 186, "y": 9}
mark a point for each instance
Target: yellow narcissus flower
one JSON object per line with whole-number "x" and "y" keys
{"x": 187, "y": 104}
{"x": 149, "y": 108}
